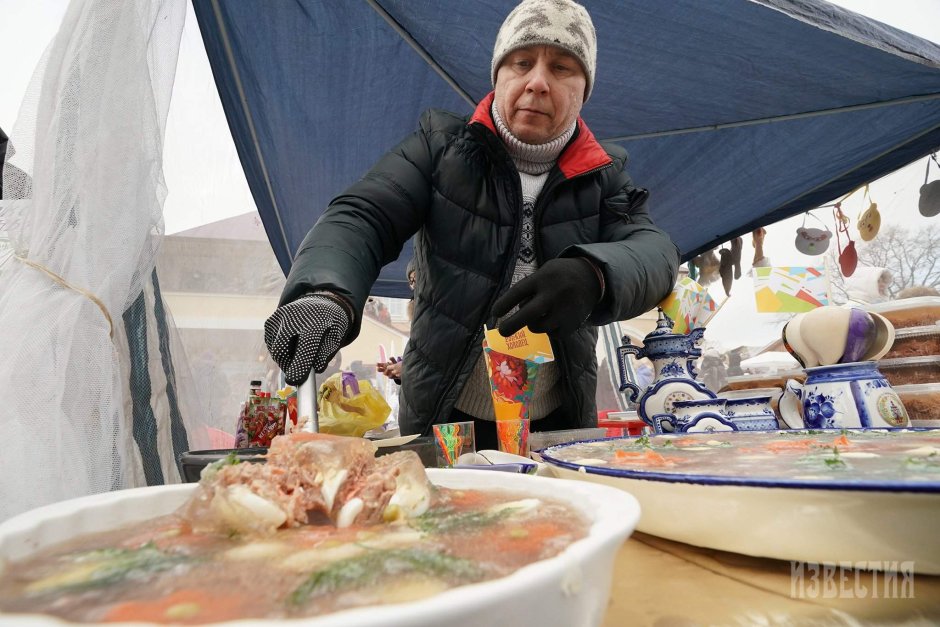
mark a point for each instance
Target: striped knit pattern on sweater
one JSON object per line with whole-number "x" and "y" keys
{"x": 533, "y": 161}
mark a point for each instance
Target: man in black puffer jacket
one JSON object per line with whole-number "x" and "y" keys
{"x": 520, "y": 217}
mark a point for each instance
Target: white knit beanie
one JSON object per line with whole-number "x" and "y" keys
{"x": 559, "y": 23}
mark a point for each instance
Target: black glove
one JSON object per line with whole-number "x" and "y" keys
{"x": 556, "y": 298}
{"x": 305, "y": 334}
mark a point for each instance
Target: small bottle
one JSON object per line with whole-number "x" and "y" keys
{"x": 248, "y": 416}
{"x": 255, "y": 397}
{"x": 274, "y": 420}
{"x": 258, "y": 419}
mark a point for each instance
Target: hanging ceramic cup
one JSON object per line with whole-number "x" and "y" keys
{"x": 929, "y": 203}
{"x": 848, "y": 259}
{"x": 810, "y": 241}
{"x": 869, "y": 223}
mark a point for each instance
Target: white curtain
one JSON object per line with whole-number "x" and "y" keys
{"x": 94, "y": 382}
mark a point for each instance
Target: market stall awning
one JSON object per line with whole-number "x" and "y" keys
{"x": 736, "y": 113}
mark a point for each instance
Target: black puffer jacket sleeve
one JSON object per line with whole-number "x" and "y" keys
{"x": 639, "y": 260}
{"x": 366, "y": 227}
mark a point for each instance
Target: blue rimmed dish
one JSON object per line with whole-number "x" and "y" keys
{"x": 818, "y": 511}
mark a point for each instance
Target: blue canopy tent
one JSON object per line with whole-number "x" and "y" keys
{"x": 736, "y": 113}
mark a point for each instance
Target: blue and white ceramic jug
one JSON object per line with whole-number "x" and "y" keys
{"x": 673, "y": 355}
{"x": 842, "y": 396}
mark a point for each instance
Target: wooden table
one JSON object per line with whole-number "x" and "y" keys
{"x": 669, "y": 584}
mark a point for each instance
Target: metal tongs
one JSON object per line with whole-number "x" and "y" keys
{"x": 307, "y": 404}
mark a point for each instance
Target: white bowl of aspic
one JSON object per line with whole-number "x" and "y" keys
{"x": 461, "y": 547}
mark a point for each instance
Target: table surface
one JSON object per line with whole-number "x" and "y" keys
{"x": 669, "y": 584}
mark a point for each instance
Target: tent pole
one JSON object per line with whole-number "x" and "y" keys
{"x": 246, "y": 110}
{"x": 421, "y": 52}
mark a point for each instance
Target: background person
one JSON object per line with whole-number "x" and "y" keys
{"x": 712, "y": 371}
{"x": 411, "y": 272}
{"x": 734, "y": 362}
{"x": 335, "y": 365}
{"x": 392, "y": 368}
{"x": 521, "y": 218}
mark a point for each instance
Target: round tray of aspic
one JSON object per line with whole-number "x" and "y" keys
{"x": 867, "y": 497}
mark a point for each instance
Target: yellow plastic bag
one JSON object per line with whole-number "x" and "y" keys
{"x": 351, "y": 411}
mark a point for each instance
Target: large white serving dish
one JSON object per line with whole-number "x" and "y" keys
{"x": 569, "y": 589}
{"x": 876, "y": 525}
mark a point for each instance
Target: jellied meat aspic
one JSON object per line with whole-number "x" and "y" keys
{"x": 309, "y": 478}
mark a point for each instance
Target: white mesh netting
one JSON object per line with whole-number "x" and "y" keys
{"x": 84, "y": 412}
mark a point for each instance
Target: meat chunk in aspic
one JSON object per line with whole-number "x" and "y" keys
{"x": 310, "y": 478}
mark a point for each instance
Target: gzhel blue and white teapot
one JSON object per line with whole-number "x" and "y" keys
{"x": 673, "y": 355}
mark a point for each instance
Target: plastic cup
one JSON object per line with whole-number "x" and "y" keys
{"x": 453, "y": 439}
{"x": 513, "y": 436}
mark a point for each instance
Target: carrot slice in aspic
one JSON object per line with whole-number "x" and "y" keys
{"x": 646, "y": 457}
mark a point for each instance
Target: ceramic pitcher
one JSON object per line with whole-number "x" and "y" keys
{"x": 673, "y": 355}
{"x": 842, "y": 396}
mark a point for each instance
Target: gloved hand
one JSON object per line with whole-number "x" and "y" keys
{"x": 556, "y": 298}
{"x": 305, "y": 334}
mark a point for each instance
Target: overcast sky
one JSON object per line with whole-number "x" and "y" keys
{"x": 209, "y": 190}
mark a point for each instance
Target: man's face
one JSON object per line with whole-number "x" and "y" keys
{"x": 539, "y": 92}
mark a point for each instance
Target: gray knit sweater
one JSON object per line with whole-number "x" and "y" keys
{"x": 533, "y": 161}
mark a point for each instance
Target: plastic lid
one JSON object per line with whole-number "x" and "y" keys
{"x": 930, "y": 329}
{"x": 763, "y": 376}
{"x": 903, "y": 304}
{"x": 632, "y": 422}
{"x": 917, "y": 388}
{"x": 906, "y": 362}
{"x": 750, "y": 392}
{"x": 623, "y": 416}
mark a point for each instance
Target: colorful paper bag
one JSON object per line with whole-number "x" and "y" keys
{"x": 689, "y": 305}
{"x": 513, "y": 364}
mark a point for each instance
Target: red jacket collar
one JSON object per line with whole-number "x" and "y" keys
{"x": 582, "y": 155}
